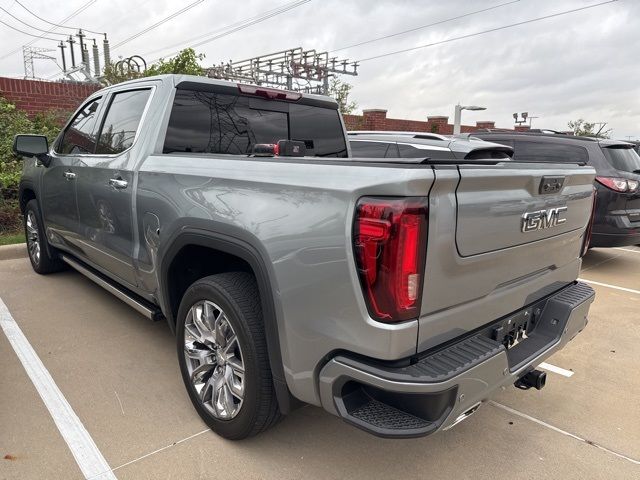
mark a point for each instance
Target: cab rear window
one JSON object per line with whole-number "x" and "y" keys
{"x": 211, "y": 122}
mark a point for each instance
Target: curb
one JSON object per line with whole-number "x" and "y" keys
{"x": 12, "y": 252}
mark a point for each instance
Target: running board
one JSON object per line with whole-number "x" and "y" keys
{"x": 143, "y": 307}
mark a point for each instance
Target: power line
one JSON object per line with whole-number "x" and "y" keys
{"x": 53, "y": 23}
{"x": 244, "y": 24}
{"x": 421, "y": 27}
{"x": 30, "y": 26}
{"x": 225, "y": 28}
{"x": 26, "y": 33}
{"x": 157, "y": 24}
{"x": 504, "y": 27}
{"x": 69, "y": 17}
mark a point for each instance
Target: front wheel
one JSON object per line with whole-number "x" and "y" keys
{"x": 44, "y": 259}
{"x": 223, "y": 355}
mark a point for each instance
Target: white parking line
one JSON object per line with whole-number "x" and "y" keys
{"x": 558, "y": 370}
{"x": 615, "y": 287}
{"x": 627, "y": 249}
{"x": 563, "y": 432}
{"x": 83, "y": 448}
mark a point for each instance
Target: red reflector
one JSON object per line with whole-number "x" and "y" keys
{"x": 269, "y": 93}
{"x": 390, "y": 242}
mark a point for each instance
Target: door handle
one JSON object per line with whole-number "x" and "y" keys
{"x": 69, "y": 175}
{"x": 118, "y": 183}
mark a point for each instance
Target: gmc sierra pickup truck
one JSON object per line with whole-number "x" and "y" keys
{"x": 396, "y": 293}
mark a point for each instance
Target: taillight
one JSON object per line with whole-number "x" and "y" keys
{"x": 618, "y": 184}
{"x": 390, "y": 242}
{"x": 587, "y": 234}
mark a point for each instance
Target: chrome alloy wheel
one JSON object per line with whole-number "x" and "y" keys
{"x": 33, "y": 239}
{"x": 214, "y": 359}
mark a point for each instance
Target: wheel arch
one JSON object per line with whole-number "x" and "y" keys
{"x": 26, "y": 192}
{"x": 245, "y": 250}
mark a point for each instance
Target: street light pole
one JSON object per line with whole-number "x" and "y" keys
{"x": 457, "y": 117}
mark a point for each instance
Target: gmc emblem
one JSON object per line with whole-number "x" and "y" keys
{"x": 541, "y": 219}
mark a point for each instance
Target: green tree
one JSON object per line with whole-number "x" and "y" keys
{"x": 185, "y": 62}
{"x": 112, "y": 74}
{"x": 12, "y": 122}
{"x": 582, "y": 128}
{"x": 340, "y": 91}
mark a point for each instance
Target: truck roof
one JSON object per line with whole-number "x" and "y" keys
{"x": 176, "y": 79}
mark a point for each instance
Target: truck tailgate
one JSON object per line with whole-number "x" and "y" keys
{"x": 492, "y": 201}
{"x": 512, "y": 243}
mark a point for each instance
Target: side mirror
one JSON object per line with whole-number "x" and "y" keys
{"x": 32, "y": 146}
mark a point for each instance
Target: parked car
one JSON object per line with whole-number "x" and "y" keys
{"x": 391, "y": 144}
{"x": 617, "y": 164}
{"x": 398, "y": 294}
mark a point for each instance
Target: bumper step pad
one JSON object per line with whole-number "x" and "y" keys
{"x": 386, "y": 417}
{"x": 451, "y": 361}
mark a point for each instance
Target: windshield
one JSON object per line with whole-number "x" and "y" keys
{"x": 622, "y": 158}
{"x": 208, "y": 122}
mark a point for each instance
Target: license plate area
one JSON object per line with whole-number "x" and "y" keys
{"x": 516, "y": 328}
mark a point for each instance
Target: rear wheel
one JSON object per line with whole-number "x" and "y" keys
{"x": 44, "y": 258}
{"x": 223, "y": 355}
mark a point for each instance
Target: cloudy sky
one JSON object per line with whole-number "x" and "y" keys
{"x": 581, "y": 65}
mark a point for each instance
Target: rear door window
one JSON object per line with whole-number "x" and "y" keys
{"x": 549, "y": 152}
{"x": 121, "y": 121}
{"x": 360, "y": 148}
{"x": 625, "y": 159}
{"x": 210, "y": 122}
{"x": 80, "y": 136}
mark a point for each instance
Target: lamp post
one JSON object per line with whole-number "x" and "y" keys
{"x": 458, "y": 115}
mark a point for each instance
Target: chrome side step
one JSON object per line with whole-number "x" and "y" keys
{"x": 147, "y": 311}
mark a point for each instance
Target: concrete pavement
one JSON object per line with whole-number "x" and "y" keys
{"x": 119, "y": 373}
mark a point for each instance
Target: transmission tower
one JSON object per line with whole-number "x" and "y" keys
{"x": 31, "y": 53}
{"x": 296, "y": 69}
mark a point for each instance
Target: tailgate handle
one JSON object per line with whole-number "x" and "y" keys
{"x": 551, "y": 185}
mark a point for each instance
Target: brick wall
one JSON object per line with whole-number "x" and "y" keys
{"x": 35, "y": 96}
{"x": 376, "y": 119}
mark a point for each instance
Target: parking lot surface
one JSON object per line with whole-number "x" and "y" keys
{"x": 119, "y": 374}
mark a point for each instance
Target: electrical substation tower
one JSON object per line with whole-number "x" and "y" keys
{"x": 31, "y": 53}
{"x": 296, "y": 69}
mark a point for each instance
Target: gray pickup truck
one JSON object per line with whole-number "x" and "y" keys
{"x": 396, "y": 293}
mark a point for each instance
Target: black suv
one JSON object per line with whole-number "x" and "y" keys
{"x": 617, "y": 164}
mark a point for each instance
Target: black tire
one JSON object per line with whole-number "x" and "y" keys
{"x": 44, "y": 258}
{"x": 236, "y": 293}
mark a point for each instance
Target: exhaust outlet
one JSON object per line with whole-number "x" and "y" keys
{"x": 536, "y": 379}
